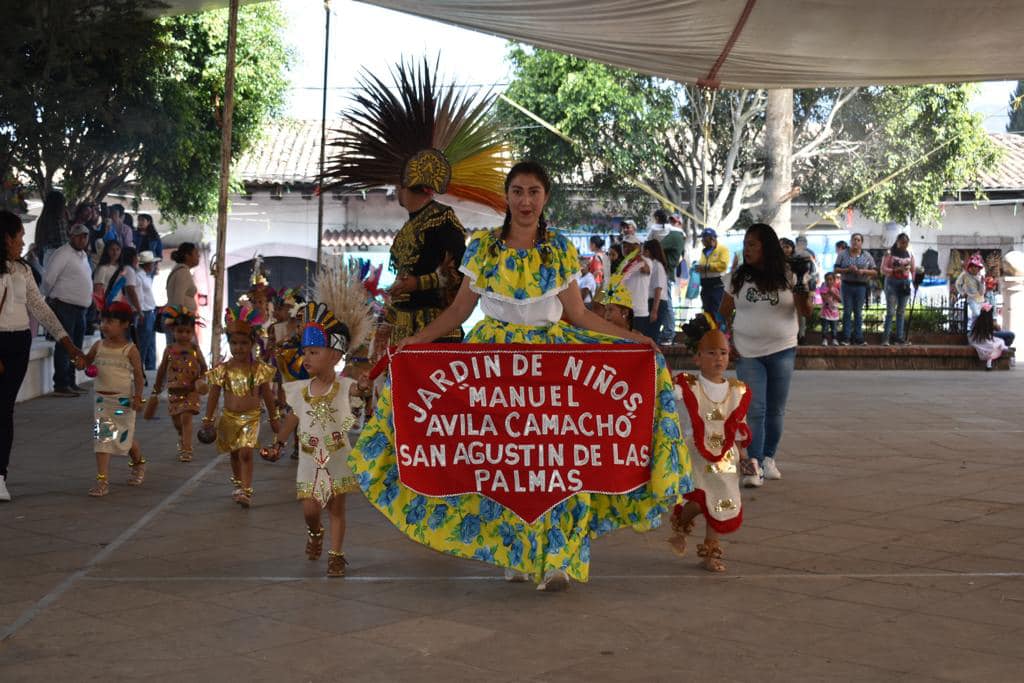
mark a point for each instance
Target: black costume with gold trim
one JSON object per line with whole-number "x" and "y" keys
{"x": 429, "y": 247}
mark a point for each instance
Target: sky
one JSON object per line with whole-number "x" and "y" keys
{"x": 466, "y": 56}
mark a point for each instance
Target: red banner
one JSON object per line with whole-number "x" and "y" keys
{"x": 525, "y": 425}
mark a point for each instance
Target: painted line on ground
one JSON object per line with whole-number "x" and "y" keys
{"x": 32, "y": 612}
{"x": 593, "y": 579}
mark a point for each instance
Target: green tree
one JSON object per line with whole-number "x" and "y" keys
{"x": 706, "y": 151}
{"x": 1016, "y": 110}
{"x": 98, "y": 95}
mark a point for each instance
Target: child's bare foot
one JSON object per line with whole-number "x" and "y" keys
{"x": 101, "y": 488}
{"x": 711, "y": 553}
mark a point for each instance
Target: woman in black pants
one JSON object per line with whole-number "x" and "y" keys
{"x": 19, "y": 296}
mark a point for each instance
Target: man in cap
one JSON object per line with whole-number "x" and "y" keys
{"x": 426, "y": 252}
{"x": 713, "y": 262}
{"x": 67, "y": 284}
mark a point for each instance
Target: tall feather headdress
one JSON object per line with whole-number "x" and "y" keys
{"x": 419, "y": 133}
{"x": 342, "y": 292}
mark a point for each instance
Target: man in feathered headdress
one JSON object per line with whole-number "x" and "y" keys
{"x": 424, "y": 140}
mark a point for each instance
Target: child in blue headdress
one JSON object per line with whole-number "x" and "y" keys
{"x": 322, "y": 416}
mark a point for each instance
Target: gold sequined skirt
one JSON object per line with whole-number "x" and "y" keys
{"x": 238, "y": 430}
{"x": 182, "y": 401}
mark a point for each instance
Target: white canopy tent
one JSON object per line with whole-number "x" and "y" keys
{"x": 761, "y": 43}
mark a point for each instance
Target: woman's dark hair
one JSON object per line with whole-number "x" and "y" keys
{"x": 857, "y": 234}
{"x": 653, "y": 247}
{"x": 984, "y": 326}
{"x": 661, "y": 216}
{"x": 105, "y": 258}
{"x": 536, "y": 170}
{"x": 772, "y": 275}
{"x": 129, "y": 221}
{"x": 596, "y": 241}
{"x": 10, "y": 226}
{"x": 615, "y": 254}
{"x": 81, "y": 211}
{"x": 51, "y": 227}
{"x": 901, "y": 236}
{"x": 183, "y": 251}
{"x": 151, "y": 231}
{"x": 786, "y": 242}
{"x": 128, "y": 256}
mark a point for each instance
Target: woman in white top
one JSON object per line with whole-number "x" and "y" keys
{"x": 659, "y": 319}
{"x": 765, "y": 298}
{"x": 181, "y": 286}
{"x": 19, "y": 296}
{"x": 110, "y": 261}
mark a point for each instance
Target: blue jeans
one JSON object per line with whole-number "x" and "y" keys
{"x": 658, "y": 323}
{"x": 854, "y": 298}
{"x": 72, "y": 318}
{"x": 829, "y": 329}
{"x": 668, "y": 326}
{"x": 897, "y": 294}
{"x": 147, "y": 339}
{"x": 767, "y": 378}
{"x": 711, "y": 297}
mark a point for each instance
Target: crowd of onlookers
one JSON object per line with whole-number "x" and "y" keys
{"x": 98, "y": 254}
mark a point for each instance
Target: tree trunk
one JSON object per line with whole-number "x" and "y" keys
{"x": 778, "y": 142}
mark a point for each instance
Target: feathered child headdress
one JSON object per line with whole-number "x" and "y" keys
{"x": 179, "y": 315}
{"x": 340, "y": 317}
{"x": 419, "y": 134}
{"x": 288, "y": 298}
{"x": 241, "y": 319}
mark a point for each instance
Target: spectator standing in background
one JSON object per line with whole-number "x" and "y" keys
{"x": 668, "y": 230}
{"x": 600, "y": 262}
{"x": 122, "y": 232}
{"x": 712, "y": 265}
{"x": 657, "y": 301}
{"x": 52, "y": 225}
{"x": 636, "y": 278}
{"x": 857, "y": 269}
{"x": 181, "y": 286}
{"x": 67, "y": 285}
{"x": 147, "y": 321}
{"x": 898, "y": 267}
{"x": 147, "y": 237}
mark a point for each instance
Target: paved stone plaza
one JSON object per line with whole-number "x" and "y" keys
{"x": 893, "y": 549}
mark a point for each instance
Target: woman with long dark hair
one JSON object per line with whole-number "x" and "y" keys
{"x": 898, "y": 267}
{"x": 52, "y": 225}
{"x": 19, "y": 297}
{"x": 148, "y": 237}
{"x": 110, "y": 262}
{"x": 523, "y": 275}
{"x": 659, "y": 317}
{"x": 763, "y": 300}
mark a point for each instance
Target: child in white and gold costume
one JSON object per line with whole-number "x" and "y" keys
{"x": 716, "y": 407}
{"x": 322, "y": 416}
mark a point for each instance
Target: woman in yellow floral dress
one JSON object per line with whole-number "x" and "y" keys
{"x": 524, "y": 277}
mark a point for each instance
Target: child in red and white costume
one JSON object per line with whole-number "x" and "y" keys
{"x": 716, "y": 407}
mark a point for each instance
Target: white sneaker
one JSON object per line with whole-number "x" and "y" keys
{"x": 824, "y": 342}
{"x": 5, "y": 495}
{"x": 512, "y": 576}
{"x": 756, "y": 479}
{"x": 771, "y": 470}
{"x": 555, "y": 580}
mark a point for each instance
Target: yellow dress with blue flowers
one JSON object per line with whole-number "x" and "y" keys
{"x": 518, "y": 291}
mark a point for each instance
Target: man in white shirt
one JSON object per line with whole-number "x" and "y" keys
{"x": 67, "y": 285}
{"x": 147, "y": 306}
{"x": 637, "y": 280}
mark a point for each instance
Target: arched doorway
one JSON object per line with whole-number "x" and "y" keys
{"x": 281, "y": 271}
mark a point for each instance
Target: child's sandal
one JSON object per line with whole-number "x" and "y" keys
{"x": 101, "y": 488}
{"x": 315, "y": 544}
{"x": 336, "y": 564}
{"x": 244, "y": 497}
{"x": 137, "y": 472}
{"x": 184, "y": 455}
{"x": 680, "y": 532}
{"x": 712, "y": 554}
